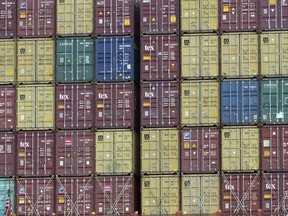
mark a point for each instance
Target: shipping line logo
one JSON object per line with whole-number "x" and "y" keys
{"x": 63, "y": 97}
{"x": 24, "y": 144}
{"x": 149, "y": 48}
{"x": 149, "y": 94}
{"x": 102, "y": 96}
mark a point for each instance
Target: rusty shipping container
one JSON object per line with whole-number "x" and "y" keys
{"x": 117, "y": 195}
{"x": 8, "y": 18}
{"x": 74, "y": 153}
{"x": 159, "y": 16}
{"x": 35, "y": 18}
{"x": 7, "y": 107}
{"x": 7, "y": 61}
{"x": 35, "y": 196}
{"x": 35, "y": 153}
{"x": 74, "y": 106}
{"x": 7, "y": 154}
{"x": 200, "y": 150}
{"x": 159, "y": 104}
{"x": 241, "y": 194}
{"x": 74, "y": 196}
{"x": 159, "y": 57}
{"x": 117, "y": 105}
{"x": 7, "y": 192}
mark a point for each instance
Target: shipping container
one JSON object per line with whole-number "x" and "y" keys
{"x": 35, "y": 153}
{"x": 7, "y": 107}
{"x": 7, "y": 195}
{"x": 274, "y": 101}
{"x": 8, "y": 18}
{"x": 159, "y": 16}
{"x": 240, "y": 149}
{"x": 160, "y": 195}
{"x": 159, "y": 104}
{"x": 74, "y": 59}
{"x": 35, "y": 196}
{"x": 274, "y": 142}
{"x": 117, "y": 105}
{"x": 199, "y": 15}
{"x": 7, "y": 61}
{"x": 239, "y": 55}
{"x": 36, "y": 18}
{"x": 273, "y": 14}
{"x": 116, "y": 152}
{"x": 200, "y": 194}
{"x": 35, "y": 62}
{"x": 74, "y": 153}
{"x": 199, "y": 56}
{"x": 160, "y": 151}
{"x": 200, "y": 103}
{"x": 117, "y": 195}
{"x": 241, "y": 194}
{"x": 200, "y": 150}
{"x": 35, "y": 107}
{"x": 159, "y": 57}
{"x": 274, "y": 54}
{"x": 239, "y": 102}
{"x": 74, "y": 17}
{"x": 74, "y": 196}
{"x": 74, "y": 106}
{"x": 239, "y": 15}
{"x": 7, "y": 154}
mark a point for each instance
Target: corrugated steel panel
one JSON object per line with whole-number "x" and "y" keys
{"x": 117, "y": 195}
{"x": 200, "y": 150}
{"x": 239, "y": 102}
{"x": 241, "y": 194}
{"x": 35, "y": 60}
{"x": 274, "y": 94}
{"x": 74, "y": 59}
{"x": 74, "y": 153}
{"x": 8, "y": 18}
{"x": 199, "y": 56}
{"x": 200, "y": 194}
{"x": 35, "y": 107}
{"x": 199, "y": 103}
{"x": 7, "y": 61}
{"x": 7, "y": 107}
{"x": 116, "y": 151}
{"x": 159, "y": 57}
{"x": 74, "y": 17}
{"x": 239, "y": 55}
{"x": 74, "y": 106}
{"x": 160, "y": 151}
{"x": 36, "y": 18}
{"x": 7, "y": 191}
{"x": 7, "y": 155}
{"x": 35, "y": 196}
{"x": 199, "y": 15}
{"x": 274, "y": 52}
{"x": 240, "y": 149}
{"x": 35, "y": 153}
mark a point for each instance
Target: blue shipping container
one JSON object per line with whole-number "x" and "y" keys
{"x": 239, "y": 102}
{"x": 7, "y": 196}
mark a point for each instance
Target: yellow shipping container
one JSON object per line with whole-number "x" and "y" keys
{"x": 160, "y": 150}
{"x": 200, "y": 194}
{"x": 240, "y": 148}
{"x": 35, "y": 60}
{"x": 116, "y": 151}
{"x": 7, "y": 61}
{"x": 160, "y": 195}
{"x": 35, "y": 107}
{"x": 199, "y": 103}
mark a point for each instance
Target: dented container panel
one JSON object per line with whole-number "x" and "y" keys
{"x": 7, "y": 191}
{"x": 8, "y": 18}
{"x": 7, "y": 107}
{"x": 7, "y": 155}
{"x": 7, "y": 61}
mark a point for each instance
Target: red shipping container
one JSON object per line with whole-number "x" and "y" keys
{"x": 74, "y": 196}
{"x": 36, "y": 18}
{"x": 159, "y": 57}
{"x": 239, "y": 15}
{"x": 241, "y": 194}
{"x": 35, "y": 196}
{"x": 159, "y": 104}
{"x": 116, "y": 105}
{"x": 159, "y": 16}
{"x": 35, "y": 153}
{"x": 74, "y": 153}
{"x": 7, "y": 18}
{"x": 200, "y": 150}
{"x": 7, "y": 107}
{"x": 117, "y": 195}
{"x": 7, "y": 154}
{"x": 74, "y": 106}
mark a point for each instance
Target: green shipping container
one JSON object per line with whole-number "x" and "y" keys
{"x": 7, "y": 61}
{"x": 7, "y": 193}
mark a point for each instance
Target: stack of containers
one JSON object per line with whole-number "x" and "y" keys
{"x": 159, "y": 22}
